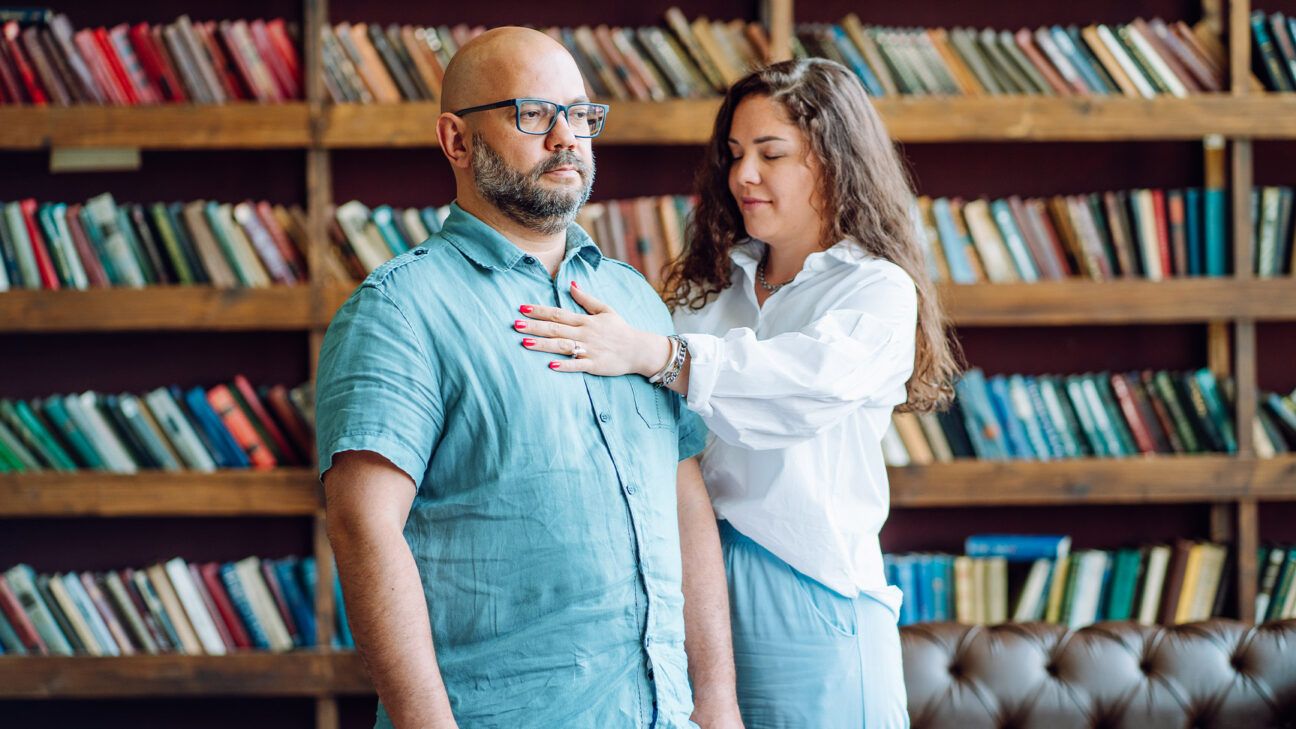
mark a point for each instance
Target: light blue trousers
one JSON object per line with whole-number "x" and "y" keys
{"x": 808, "y": 657}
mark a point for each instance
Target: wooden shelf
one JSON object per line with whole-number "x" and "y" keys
{"x": 281, "y": 492}
{"x": 1120, "y": 302}
{"x": 1151, "y": 480}
{"x": 172, "y": 126}
{"x": 157, "y": 307}
{"x": 302, "y": 673}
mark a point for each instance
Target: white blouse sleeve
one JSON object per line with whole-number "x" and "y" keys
{"x": 772, "y": 393}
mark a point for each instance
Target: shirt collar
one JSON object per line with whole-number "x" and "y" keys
{"x": 748, "y": 253}
{"x": 488, "y": 248}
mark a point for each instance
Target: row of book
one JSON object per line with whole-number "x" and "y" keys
{"x": 45, "y": 60}
{"x": 1107, "y": 415}
{"x": 1142, "y": 59}
{"x": 366, "y": 63}
{"x": 1143, "y": 233}
{"x": 209, "y": 608}
{"x": 1276, "y": 593}
{"x": 228, "y": 425}
{"x": 1274, "y": 252}
{"x": 102, "y": 244}
{"x": 1273, "y": 39}
{"x": 1037, "y": 578}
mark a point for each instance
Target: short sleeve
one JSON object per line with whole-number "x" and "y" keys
{"x": 376, "y": 390}
{"x": 692, "y": 433}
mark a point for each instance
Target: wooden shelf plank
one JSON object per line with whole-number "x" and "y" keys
{"x": 157, "y": 307}
{"x": 280, "y": 492}
{"x": 1155, "y": 480}
{"x": 170, "y": 126}
{"x": 952, "y": 119}
{"x": 301, "y": 673}
{"x": 1119, "y": 302}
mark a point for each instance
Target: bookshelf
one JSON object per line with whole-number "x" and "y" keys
{"x": 1234, "y": 487}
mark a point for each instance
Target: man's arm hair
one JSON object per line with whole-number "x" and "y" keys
{"x": 707, "y": 637}
{"x": 367, "y": 501}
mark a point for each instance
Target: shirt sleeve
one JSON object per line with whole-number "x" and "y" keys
{"x": 376, "y": 390}
{"x": 692, "y": 434}
{"x": 773, "y": 393}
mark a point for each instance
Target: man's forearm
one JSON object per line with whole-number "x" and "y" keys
{"x": 708, "y": 641}
{"x": 388, "y": 617}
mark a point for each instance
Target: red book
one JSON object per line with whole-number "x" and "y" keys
{"x": 293, "y": 425}
{"x": 21, "y": 65}
{"x": 278, "y": 69}
{"x": 119, "y": 38}
{"x": 8, "y": 79}
{"x": 159, "y": 76}
{"x": 226, "y": 32}
{"x": 1163, "y": 231}
{"x": 283, "y": 46}
{"x": 168, "y": 63}
{"x": 282, "y": 242}
{"x": 222, "y": 401}
{"x": 45, "y": 264}
{"x": 209, "y": 602}
{"x": 229, "y": 77}
{"x": 210, "y": 575}
{"x": 115, "y": 65}
{"x": 22, "y": 624}
{"x": 1128, "y": 406}
{"x": 99, "y": 69}
{"x": 272, "y": 582}
{"x": 110, "y": 620}
{"x": 249, "y": 396}
{"x": 95, "y": 273}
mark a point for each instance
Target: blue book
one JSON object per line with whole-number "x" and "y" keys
{"x": 1081, "y": 64}
{"x": 22, "y": 582}
{"x": 1018, "y": 547}
{"x": 9, "y": 641}
{"x": 239, "y": 599}
{"x": 926, "y": 588}
{"x": 1015, "y": 241}
{"x": 1215, "y": 227}
{"x": 954, "y": 244}
{"x": 1048, "y": 428}
{"x": 209, "y": 421}
{"x": 906, "y": 572}
{"x": 59, "y": 417}
{"x": 856, "y": 61}
{"x": 1074, "y": 385}
{"x": 382, "y": 220}
{"x": 1024, "y": 408}
{"x": 983, "y": 426}
{"x": 430, "y": 219}
{"x": 942, "y": 588}
{"x": 85, "y": 606}
{"x": 343, "y": 625}
{"x": 1104, "y": 592}
{"x": 299, "y": 603}
{"x": 1001, "y": 400}
{"x": 1193, "y": 231}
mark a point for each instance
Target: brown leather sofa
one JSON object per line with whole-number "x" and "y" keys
{"x": 1220, "y": 674}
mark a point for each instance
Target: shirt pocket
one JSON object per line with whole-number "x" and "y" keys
{"x": 657, "y": 406}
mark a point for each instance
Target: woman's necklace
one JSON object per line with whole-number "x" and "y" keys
{"x": 760, "y": 276}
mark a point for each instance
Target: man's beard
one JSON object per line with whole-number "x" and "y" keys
{"x": 522, "y": 197}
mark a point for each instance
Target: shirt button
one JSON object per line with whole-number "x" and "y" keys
{"x": 605, "y": 418}
{"x": 529, "y": 259}
{"x": 420, "y": 251}
{"x": 647, "y": 641}
{"x": 631, "y": 488}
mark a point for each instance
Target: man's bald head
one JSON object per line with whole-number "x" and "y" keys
{"x": 509, "y": 62}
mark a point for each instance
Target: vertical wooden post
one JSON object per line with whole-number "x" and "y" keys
{"x": 1239, "y": 45}
{"x": 778, "y": 18}
{"x": 1248, "y": 546}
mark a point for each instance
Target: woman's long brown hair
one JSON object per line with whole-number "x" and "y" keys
{"x": 866, "y": 196}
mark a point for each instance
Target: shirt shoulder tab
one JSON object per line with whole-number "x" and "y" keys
{"x": 420, "y": 252}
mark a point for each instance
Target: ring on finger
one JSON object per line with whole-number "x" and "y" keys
{"x": 577, "y": 350}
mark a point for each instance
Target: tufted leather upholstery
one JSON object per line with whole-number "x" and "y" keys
{"x": 1220, "y": 674}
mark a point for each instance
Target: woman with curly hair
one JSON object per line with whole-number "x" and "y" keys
{"x": 805, "y": 316}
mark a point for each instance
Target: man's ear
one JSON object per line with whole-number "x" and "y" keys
{"x": 452, "y": 135}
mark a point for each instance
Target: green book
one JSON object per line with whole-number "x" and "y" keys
{"x": 59, "y": 417}
{"x": 1166, "y": 392}
{"x": 1204, "y": 379}
{"x": 170, "y": 244}
{"x": 1120, "y": 600}
{"x": 37, "y": 437}
{"x": 212, "y": 212}
{"x": 1084, "y": 414}
{"x": 12, "y": 446}
{"x": 1072, "y": 579}
{"x": 1283, "y": 586}
{"x": 175, "y": 217}
{"x": 1102, "y": 385}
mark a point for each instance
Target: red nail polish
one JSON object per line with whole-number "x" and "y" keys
{"x": 525, "y": 309}
{"x": 574, "y": 285}
{"x": 519, "y": 324}
{"x": 553, "y": 365}
{"x": 528, "y": 342}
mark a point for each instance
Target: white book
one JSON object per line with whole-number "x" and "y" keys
{"x": 75, "y": 617}
{"x": 90, "y": 613}
{"x": 101, "y": 212}
{"x": 75, "y": 266}
{"x": 112, "y": 446}
{"x": 263, "y": 603}
{"x": 1157, "y": 63}
{"x": 179, "y": 431}
{"x": 194, "y": 607}
{"x": 1267, "y": 240}
{"x": 1158, "y": 559}
{"x": 241, "y": 247}
{"x": 170, "y": 602}
{"x": 996, "y": 590}
{"x": 1088, "y": 586}
{"x": 1030, "y": 605}
{"x": 1208, "y": 579}
{"x": 414, "y": 224}
{"x": 1126, "y": 63}
{"x": 893, "y": 450}
{"x": 353, "y": 217}
{"x": 999, "y": 267}
{"x": 77, "y": 415}
{"x": 13, "y": 219}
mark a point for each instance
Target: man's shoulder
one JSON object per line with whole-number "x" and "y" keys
{"x": 395, "y": 276}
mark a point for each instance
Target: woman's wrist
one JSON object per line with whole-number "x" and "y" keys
{"x": 656, "y": 354}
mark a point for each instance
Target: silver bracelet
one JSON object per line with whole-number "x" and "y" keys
{"x": 679, "y": 352}
{"x": 670, "y": 359}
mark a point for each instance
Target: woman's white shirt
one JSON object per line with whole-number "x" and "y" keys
{"x": 797, "y": 395}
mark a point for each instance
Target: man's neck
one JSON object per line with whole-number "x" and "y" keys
{"x": 549, "y": 249}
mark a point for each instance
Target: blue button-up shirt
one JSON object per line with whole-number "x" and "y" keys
{"x": 544, "y": 526}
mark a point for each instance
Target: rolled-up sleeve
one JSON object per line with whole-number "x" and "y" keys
{"x": 376, "y": 389}
{"x": 763, "y": 394}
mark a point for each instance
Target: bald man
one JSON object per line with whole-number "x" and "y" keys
{"x": 509, "y": 537}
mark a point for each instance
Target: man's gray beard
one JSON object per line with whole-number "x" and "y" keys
{"x": 520, "y": 195}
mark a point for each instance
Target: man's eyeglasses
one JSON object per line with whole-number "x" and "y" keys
{"x": 537, "y": 116}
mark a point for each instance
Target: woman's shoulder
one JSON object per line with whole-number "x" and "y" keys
{"x": 864, "y": 269}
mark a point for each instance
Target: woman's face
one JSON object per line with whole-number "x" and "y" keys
{"x": 773, "y": 176}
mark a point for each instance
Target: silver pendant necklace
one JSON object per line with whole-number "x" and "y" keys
{"x": 760, "y": 276}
